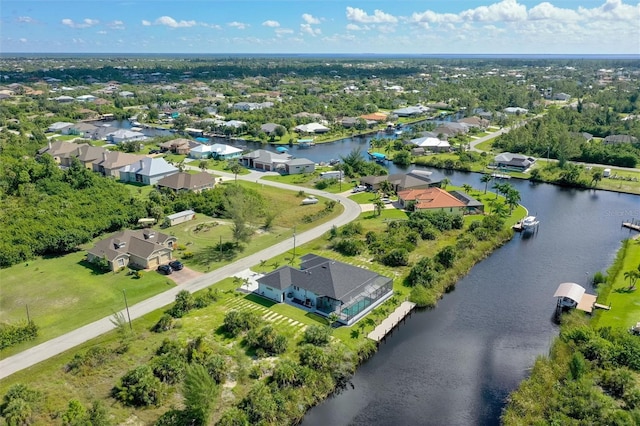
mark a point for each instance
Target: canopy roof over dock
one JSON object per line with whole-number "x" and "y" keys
{"x": 576, "y": 292}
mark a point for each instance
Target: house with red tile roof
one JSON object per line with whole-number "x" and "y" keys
{"x": 434, "y": 199}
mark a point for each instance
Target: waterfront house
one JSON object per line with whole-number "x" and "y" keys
{"x": 433, "y": 199}
{"x": 59, "y": 127}
{"x": 146, "y": 248}
{"x": 147, "y": 171}
{"x": 311, "y": 128}
{"x": 262, "y": 159}
{"x": 431, "y": 144}
{"x": 618, "y": 139}
{"x": 124, "y": 135}
{"x": 515, "y": 162}
{"x": 415, "y": 179}
{"x": 327, "y": 286}
{"x": 179, "y": 146}
{"x": 472, "y": 205}
{"x": 297, "y": 166}
{"x": 112, "y": 161}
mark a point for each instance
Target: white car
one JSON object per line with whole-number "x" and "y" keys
{"x": 359, "y": 188}
{"x": 309, "y": 200}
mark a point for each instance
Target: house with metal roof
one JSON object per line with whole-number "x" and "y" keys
{"x": 415, "y": 179}
{"x": 515, "y": 162}
{"x": 433, "y": 199}
{"x": 325, "y": 286}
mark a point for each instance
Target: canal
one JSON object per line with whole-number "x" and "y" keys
{"x": 457, "y": 363}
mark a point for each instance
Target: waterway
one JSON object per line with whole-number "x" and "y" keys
{"x": 457, "y": 363}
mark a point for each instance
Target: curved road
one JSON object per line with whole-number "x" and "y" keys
{"x": 76, "y": 337}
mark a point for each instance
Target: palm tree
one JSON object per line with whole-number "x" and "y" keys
{"x": 596, "y": 177}
{"x": 500, "y": 209}
{"x": 633, "y": 277}
{"x": 235, "y": 168}
{"x": 467, "y": 188}
{"x": 378, "y": 205}
{"x": 386, "y": 187}
{"x": 513, "y": 198}
{"x": 444, "y": 182}
{"x": 486, "y": 178}
{"x": 203, "y": 165}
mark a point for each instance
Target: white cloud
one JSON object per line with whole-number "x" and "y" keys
{"x": 116, "y": 25}
{"x": 86, "y": 23}
{"x": 271, "y": 24}
{"x": 546, "y": 10}
{"x": 308, "y": 29}
{"x": 172, "y": 23}
{"x": 283, "y": 31}
{"x": 214, "y": 26}
{"x": 431, "y": 17}
{"x": 354, "y": 27}
{"x": 22, "y": 40}
{"x": 310, "y": 19}
{"x": 506, "y": 10}
{"x": 146, "y": 23}
{"x": 238, "y": 25}
{"x": 25, "y": 19}
{"x": 613, "y": 10}
{"x": 102, "y": 32}
{"x": 378, "y": 17}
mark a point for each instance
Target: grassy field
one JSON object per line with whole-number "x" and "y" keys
{"x": 62, "y": 293}
{"x": 309, "y": 180}
{"x": 625, "y": 303}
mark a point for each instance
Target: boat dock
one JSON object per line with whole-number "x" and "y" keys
{"x": 635, "y": 225}
{"x": 389, "y": 323}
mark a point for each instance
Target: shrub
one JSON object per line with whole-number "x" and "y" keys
{"x": 165, "y": 323}
{"x": 422, "y": 297}
{"x": 233, "y": 417}
{"x": 187, "y": 255}
{"x": 447, "y": 256}
{"x": 184, "y": 303}
{"x": 396, "y": 257}
{"x": 599, "y": 278}
{"x": 349, "y": 247}
{"x": 139, "y": 388}
{"x": 13, "y": 333}
{"x": 268, "y": 340}
{"x": 314, "y": 357}
{"x": 423, "y": 273}
{"x": 169, "y": 368}
{"x": 236, "y": 322}
{"x": 217, "y": 368}
{"x": 318, "y": 335}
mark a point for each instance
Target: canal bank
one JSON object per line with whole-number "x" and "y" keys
{"x": 457, "y": 363}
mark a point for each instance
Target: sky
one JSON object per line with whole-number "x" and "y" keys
{"x": 322, "y": 27}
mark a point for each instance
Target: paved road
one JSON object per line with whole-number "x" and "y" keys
{"x": 69, "y": 340}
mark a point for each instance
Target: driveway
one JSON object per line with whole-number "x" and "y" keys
{"x": 184, "y": 275}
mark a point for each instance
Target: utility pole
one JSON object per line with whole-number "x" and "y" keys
{"x": 28, "y": 317}
{"x": 127, "y": 306}
{"x": 294, "y": 241}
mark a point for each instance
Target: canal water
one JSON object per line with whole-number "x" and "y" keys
{"x": 457, "y": 363}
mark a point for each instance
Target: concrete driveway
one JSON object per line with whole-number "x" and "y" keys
{"x": 184, "y": 275}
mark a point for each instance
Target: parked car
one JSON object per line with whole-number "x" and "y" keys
{"x": 165, "y": 269}
{"x": 386, "y": 200}
{"x": 309, "y": 200}
{"x": 359, "y": 188}
{"x": 154, "y": 151}
{"x": 176, "y": 265}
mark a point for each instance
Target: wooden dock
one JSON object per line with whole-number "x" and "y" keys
{"x": 632, "y": 225}
{"x": 389, "y": 323}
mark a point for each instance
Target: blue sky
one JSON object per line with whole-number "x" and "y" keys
{"x": 328, "y": 26}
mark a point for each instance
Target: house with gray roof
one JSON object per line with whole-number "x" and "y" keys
{"x": 617, "y": 139}
{"x": 124, "y": 135}
{"x": 515, "y": 162}
{"x": 299, "y": 166}
{"x": 147, "y": 171}
{"x": 473, "y": 206}
{"x": 261, "y": 159}
{"x": 112, "y": 161}
{"x": 146, "y": 248}
{"x": 269, "y": 128}
{"x": 415, "y": 179}
{"x": 183, "y": 181}
{"x": 327, "y": 286}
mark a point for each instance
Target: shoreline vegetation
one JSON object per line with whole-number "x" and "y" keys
{"x": 592, "y": 372}
{"x": 251, "y": 385}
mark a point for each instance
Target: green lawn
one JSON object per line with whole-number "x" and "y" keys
{"x": 309, "y": 180}
{"x": 625, "y": 304}
{"x": 62, "y": 293}
{"x": 220, "y": 165}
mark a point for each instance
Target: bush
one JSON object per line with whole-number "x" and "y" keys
{"x": 184, "y": 303}
{"x": 314, "y": 357}
{"x": 349, "y": 247}
{"x": 12, "y": 334}
{"x": 396, "y": 257}
{"x": 94, "y": 357}
{"x": 422, "y": 297}
{"x": 318, "y": 335}
{"x": 139, "y": 388}
{"x": 165, "y": 323}
{"x": 236, "y": 322}
{"x": 169, "y": 368}
{"x": 423, "y": 273}
{"x": 268, "y": 340}
{"x": 447, "y": 256}
{"x": 599, "y": 278}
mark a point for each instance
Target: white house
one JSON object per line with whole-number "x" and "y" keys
{"x": 311, "y": 128}
{"x": 147, "y": 171}
{"x": 124, "y": 135}
{"x": 180, "y": 217}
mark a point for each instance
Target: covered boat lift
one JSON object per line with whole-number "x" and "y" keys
{"x": 572, "y": 295}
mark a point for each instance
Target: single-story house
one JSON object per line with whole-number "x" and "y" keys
{"x": 480, "y": 123}
{"x": 86, "y": 130}
{"x": 376, "y": 116}
{"x": 432, "y": 144}
{"x": 180, "y": 146}
{"x": 86, "y": 98}
{"x": 262, "y": 159}
{"x": 112, "y": 161}
{"x": 180, "y": 217}
{"x": 182, "y": 181}
{"x": 146, "y": 248}
{"x": 147, "y": 171}
{"x": 415, "y": 179}
{"x": 123, "y": 135}
{"x": 411, "y": 111}
{"x": 221, "y": 151}
{"x": 60, "y": 151}
{"x": 311, "y": 128}
{"x": 516, "y": 162}
{"x": 298, "y": 166}
{"x": 59, "y": 127}
{"x": 473, "y": 206}
{"x": 616, "y": 139}
{"x": 327, "y": 286}
{"x": 332, "y": 174}
{"x": 269, "y": 128}
{"x": 434, "y": 199}
{"x": 349, "y": 122}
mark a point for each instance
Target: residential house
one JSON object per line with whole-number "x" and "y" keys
{"x": 86, "y": 98}
{"x": 112, "y": 161}
{"x": 126, "y": 94}
{"x": 431, "y": 144}
{"x": 376, "y": 116}
{"x": 61, "y": 152}
{"x": 415, "y": 179}
{"x": 85, "y": 130}
{"x": 617, "y": 139}
{"x": 478, "y": 122}
{"x": 325, "y": 286}
{"x": 64, "y": 99}
{"x": 561, "y": 97}
{"x": 264, "y": 160}
{"x": 124, "y": 135}
{"x": 144, "y": 249}
{"x": 411, "y": 111}
{"x": 217, "y": 151}
{"x": 309, "y": 115}
{"x": 433, "y": 199}
{"x": 180, "y": 146}
{"x": 88, "y": 155}
{"x": 147, "y": 171}
{"x": 298, "y": 166}
{"x": 269, "y": 128}
{"x": 516, "y": 111}
{"x": 515, "y": 162}
{"x": 183, "y": 181}
{"x": 349, "y": 122}
{"x": 311, "y": 128}
{"x": 472, "y": 205}
{"x": 59, "y": 127}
